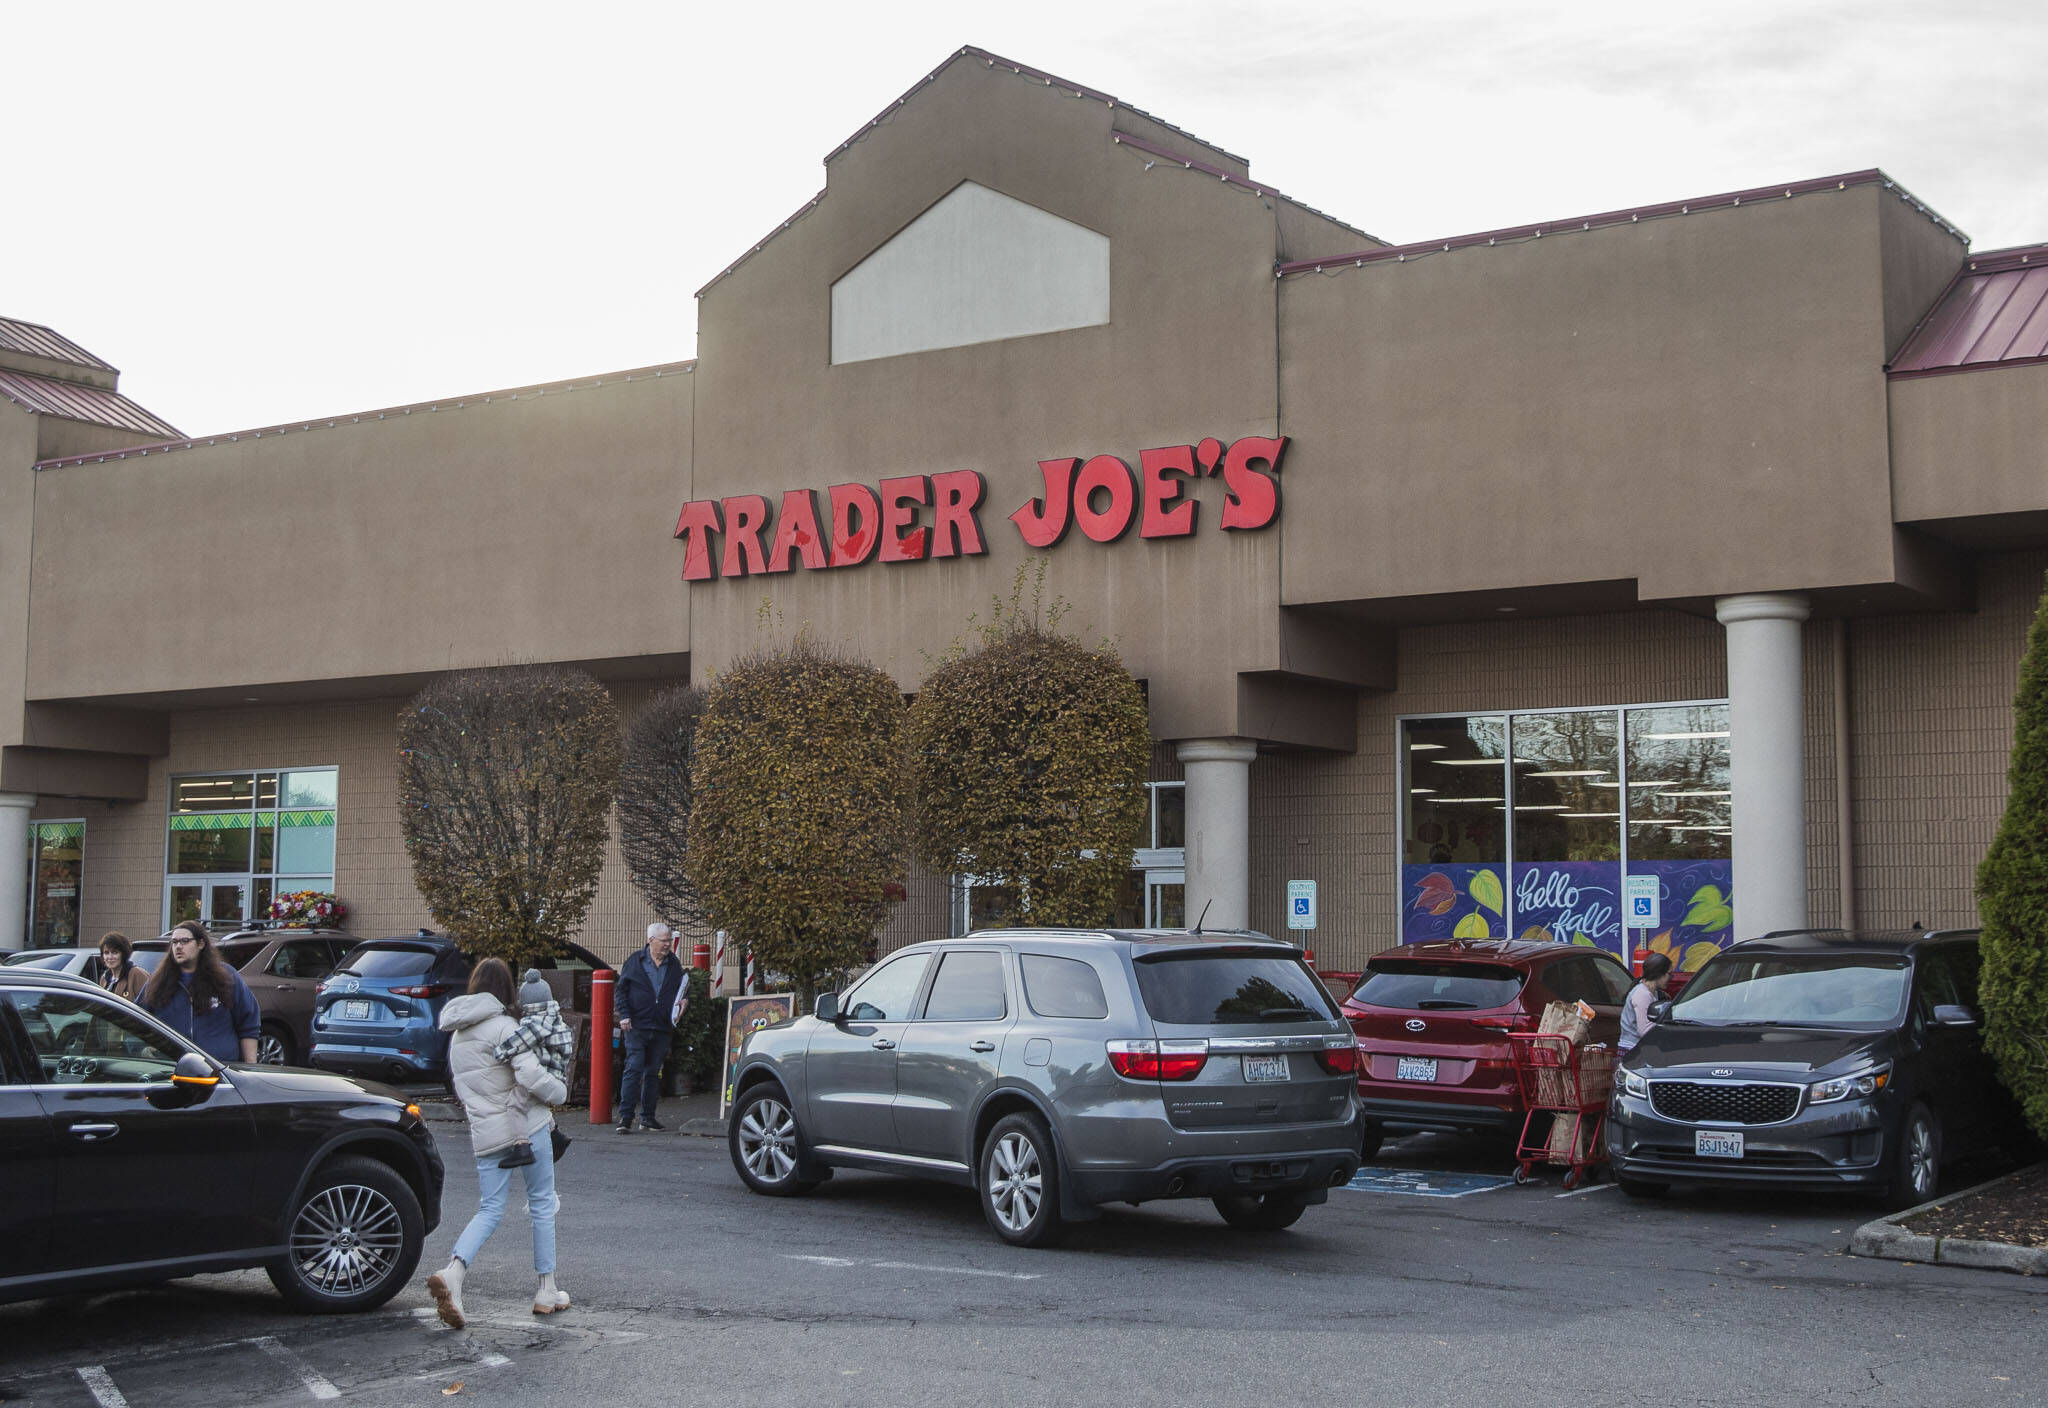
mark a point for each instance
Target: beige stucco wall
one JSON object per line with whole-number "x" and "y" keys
{"x": 1188, "y": 353}
{"x": 1970, "y": 443}
{"x": 17, "y": 522}
{"x": 477, "y": 534}
{"x": 1683, "y": 401}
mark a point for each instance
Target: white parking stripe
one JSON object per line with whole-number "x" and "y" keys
{"x": 102, "y": 1387}
{"x": 914, "y": 1266}
{"x": 316, "y": 1383}
{"x": 1580, "y": 1192}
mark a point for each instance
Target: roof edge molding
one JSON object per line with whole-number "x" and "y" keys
{"x": 977, "y": 266}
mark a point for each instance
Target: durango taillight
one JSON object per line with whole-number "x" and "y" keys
{"x": 421, "y": 990}
{"x": 1339, "y": 1060}
{"x": 1158, "y": 1060}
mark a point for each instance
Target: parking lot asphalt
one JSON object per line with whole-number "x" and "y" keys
{"x": 1467, "y": 1290}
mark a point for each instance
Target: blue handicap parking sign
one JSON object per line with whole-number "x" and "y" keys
{"x": 1301, "y": 904}
{"x": 1642, "y": 906}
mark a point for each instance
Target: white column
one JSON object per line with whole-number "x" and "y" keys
{"x": 14, "y": 862}
{"x": 1219, "y": 826}
{"x": 1767, "y": 759}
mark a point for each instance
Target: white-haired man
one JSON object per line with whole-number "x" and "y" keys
{"x": 650, "y": 998}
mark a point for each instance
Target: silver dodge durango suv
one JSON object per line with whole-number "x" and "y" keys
{"x": 1056, "y": 1070}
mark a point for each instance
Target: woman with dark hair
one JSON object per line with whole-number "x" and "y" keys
{"x": 117, "y": 975}
{"x": 1635, "y": 1011}
{"x": 194, "y": 992}
{"x": 506, "y": 1100}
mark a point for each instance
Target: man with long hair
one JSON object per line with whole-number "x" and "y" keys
{"x": 193, "y": 991}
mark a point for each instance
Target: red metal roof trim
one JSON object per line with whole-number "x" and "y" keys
{"x": 39, "y": 341}
{"x": 1578, "y": 223}
{"x": 1022, "y": 71}
{"x": 1994, "y": 313}
{"x": 67, "y": 400}
{"x": 357, "y": 417}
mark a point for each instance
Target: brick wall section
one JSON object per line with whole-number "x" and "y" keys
{"x": 1931, "y": 715}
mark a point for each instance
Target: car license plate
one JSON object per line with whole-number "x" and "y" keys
{"x": 1415, "y": 1068}
{"x": 1258, "y": 1068}
{"x": 356, "y": 1011}
{"x": 1717, "y": 1143}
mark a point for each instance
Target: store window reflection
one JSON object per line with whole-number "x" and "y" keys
{"x": 1454, "y": 836}
{"x": 235, "y": 840}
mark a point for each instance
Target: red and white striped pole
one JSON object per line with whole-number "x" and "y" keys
{"x": 747, "y": 983}
{"x": 718, "y": 965}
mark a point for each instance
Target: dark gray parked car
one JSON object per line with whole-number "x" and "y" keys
{"x": 1057, "y": 1070}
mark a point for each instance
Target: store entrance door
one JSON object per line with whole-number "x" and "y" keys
{"x": 1166, "y": 905}
{"x": 220, "y": 904}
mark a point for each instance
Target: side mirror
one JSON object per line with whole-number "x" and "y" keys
{"x": 1661, "y": 1011}
{"x": 1949, "y": 1014}
{"x": 194, "y": 1072}
{"x": 827, "y": 1008}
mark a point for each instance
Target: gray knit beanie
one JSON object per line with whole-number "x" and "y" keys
{"x": 534, "y": 991}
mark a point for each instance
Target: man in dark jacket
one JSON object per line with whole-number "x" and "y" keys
{"x": 650, "y": 984}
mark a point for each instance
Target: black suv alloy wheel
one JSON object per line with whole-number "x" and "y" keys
{"x": 355, "y": 1239}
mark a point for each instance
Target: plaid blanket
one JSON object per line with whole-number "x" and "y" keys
{"x": 543, "y": 1032}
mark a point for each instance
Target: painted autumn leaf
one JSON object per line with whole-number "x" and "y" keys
{"x": 1537, "y": 934}
{"x": 1436, "y": 893}
{"x": 1709, "y": 910}
{"x": 1485, "y": 887}
{"x": 1696, "y": 956}
{"x": 1472, "y": 926}
{"x": 1582, "y": 941}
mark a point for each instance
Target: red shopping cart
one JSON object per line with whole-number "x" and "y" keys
{"x": 1565, "y": 1089}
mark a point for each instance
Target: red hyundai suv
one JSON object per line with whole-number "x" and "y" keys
{"x": 1432, "y": 1021}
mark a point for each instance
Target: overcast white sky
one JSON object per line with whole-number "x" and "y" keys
{"x": 273, "y": 211}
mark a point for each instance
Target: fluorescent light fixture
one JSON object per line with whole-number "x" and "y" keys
{"x": 1724, "y": 792}
{"x": 1455, "y": 801}
{"x": 1723, "y": 733}
{"x": 1423, "y": 747}
{"x": 1539, "y": 806}
{"x": 1468, "y": 762}
{"x": 1609, "y": 816}
{"x": 1632, "y": 784}
{"x": 1420, "y": 791}
{"x": 1569, "y": 772}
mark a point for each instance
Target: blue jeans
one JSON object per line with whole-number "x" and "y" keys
{"x": 493, "y": 1183}
{"x": 641, "y": 1084}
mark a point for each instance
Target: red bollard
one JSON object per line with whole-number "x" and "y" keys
{"x": 700, "y": 958}
{"x": 601, "y": 1045}
{"x": 1642, "y": 955}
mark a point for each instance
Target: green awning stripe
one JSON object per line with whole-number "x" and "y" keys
{"x": 242, "y": 821}
{"x": 60, "y": 830}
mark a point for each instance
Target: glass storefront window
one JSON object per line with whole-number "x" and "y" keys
{"x": 57, "y": 871}
{"x": 234, "y": 840}
{"x": 1527, "y": 824}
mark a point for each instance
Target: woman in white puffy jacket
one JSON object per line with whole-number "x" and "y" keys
{"x": 506, "y": 1101}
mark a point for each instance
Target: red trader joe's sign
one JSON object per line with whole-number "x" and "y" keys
{"x": 923, "y": 516}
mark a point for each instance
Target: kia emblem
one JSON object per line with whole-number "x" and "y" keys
{"x": 1724, "y": 1070}
{"x": 1414, "y": 1024}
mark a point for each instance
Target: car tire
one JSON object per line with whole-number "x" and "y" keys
{"x": 1373, "y": 1135}
{"x": 766, "y": 1146}
{"x": 1267, "y": 1212}
{"x": 275, "y": 1047}
{"x": 1915, "y": 1160}
{"x": 1641, "y": 1188}
{"x": 1020, "y": 1181}
{"x": 355, "y": 1234}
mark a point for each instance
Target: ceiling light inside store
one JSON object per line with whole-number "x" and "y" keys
{"x": 1539, "y": 806}
{"x": 1723, "y": 793}
{"x": 1466, "y": 762}
{"x": 1458, "y": 801}
{"x": 1608, "y": 816}
{"x": 1632, "y": 784}
{"x": 1423, "y": 747}
{"x": 1570, "y": 772}
{"x": 1723, "y": 733}
{"x": 1420, "y": 791}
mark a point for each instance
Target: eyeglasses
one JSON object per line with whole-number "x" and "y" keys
{"x": 183, "y": 939}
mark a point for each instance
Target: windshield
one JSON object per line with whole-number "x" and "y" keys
{"x": 1818, "y": 990}
{"x": 1230, "y": 989}
{"x": 1421, "y": 986}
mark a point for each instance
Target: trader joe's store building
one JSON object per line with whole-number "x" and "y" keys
{"x": 1466, "y": 579}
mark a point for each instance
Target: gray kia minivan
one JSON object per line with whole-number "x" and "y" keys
{"x": 1056, "y": 1070}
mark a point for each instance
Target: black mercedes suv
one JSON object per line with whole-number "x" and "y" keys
{"x": 130, "y": 1156}
{"x": 1818, "y": 1059}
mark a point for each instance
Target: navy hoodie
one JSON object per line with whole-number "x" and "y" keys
{"x": 218, "y": 1027}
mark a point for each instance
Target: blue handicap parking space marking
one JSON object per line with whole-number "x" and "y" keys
{"x": 1424, "y": 1183}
